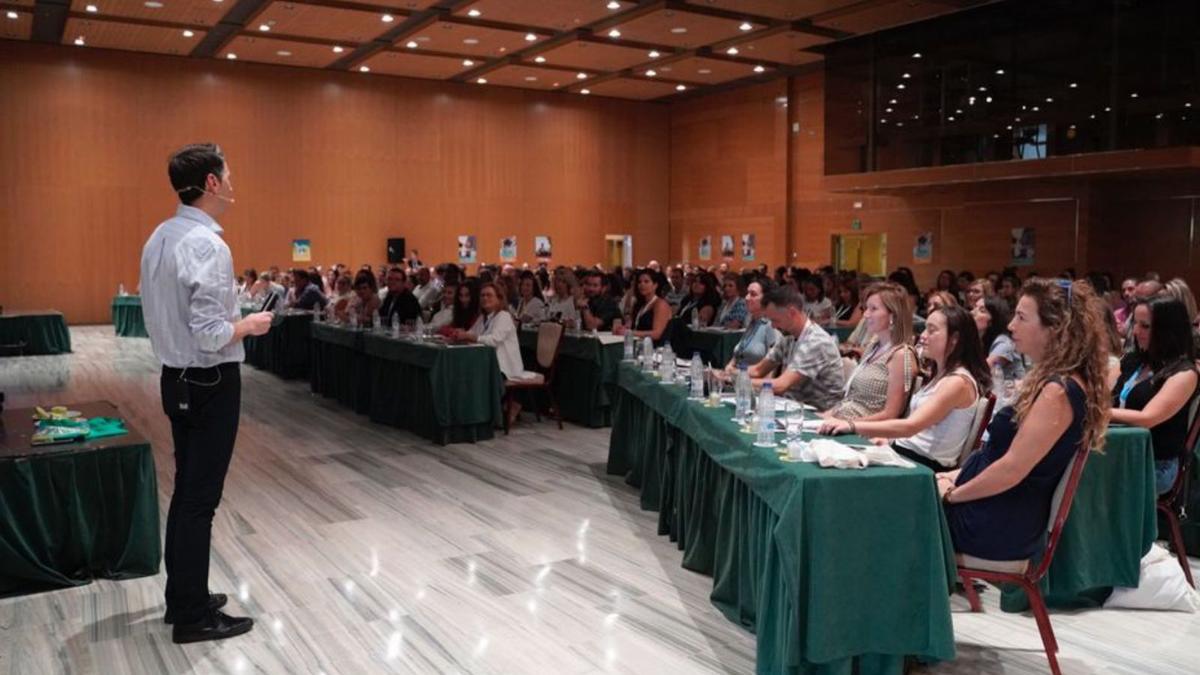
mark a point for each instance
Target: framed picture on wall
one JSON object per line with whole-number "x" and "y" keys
{"x": 923, "y": 249}
{"x": 705, "y": 248}
{"x": 542, "y": 249}
{"x": 301, "y": 250}
{"x": 508, "y": 248}
{"x": 467, "y": 249}
{"x": 748, "y": 247}
{"x": 727, "y": 247}
{"x": 1022, "y": 246}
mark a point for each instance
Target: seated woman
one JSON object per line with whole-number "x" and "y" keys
{"x": 732, "y": 312}
{"x": 998, "y": 504}
{"x": 980, "y": 288}
{"x": 1158, "y": 382}
{"x": 566, "y": 294}
{"x": 365, "y": 303}
{"x": 760, "y": 335}
{"x": 466, "y": 308}
{"x": 651, "y": 313}
{"x": 495, "y": 328}
{"x": 940, "y": 413}
{"x": 848, "y": 311}
{"x": 530, "y": 307}
{"x": 991, "y": 320}
{"x": 879, "y": 386}
{"x": 939, "y": 299}
{"x": 704, "y": 299}
{"x": 818, "y": 307}
{"x": 445, "y": 311}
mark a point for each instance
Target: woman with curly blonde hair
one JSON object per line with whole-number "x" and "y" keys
{"x": 998, "y": 503}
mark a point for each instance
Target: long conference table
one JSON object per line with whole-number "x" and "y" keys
{"x": 586, "y": 380}
{"x": 34, "y": 333}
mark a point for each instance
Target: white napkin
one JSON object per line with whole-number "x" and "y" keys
{"x": 832, "y": 454}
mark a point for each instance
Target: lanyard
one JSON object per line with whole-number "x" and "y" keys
{"x": 638, "y": 318}
{"x": 1134, "y": 379}
{"x": 487, "y": 323}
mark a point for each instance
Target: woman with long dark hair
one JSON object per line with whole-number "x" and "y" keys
{"x": 651, "y": 314}
{"x": 991, "y": 319}
{"x": 704, "y": 298}
{"x": 1158, "y": 382}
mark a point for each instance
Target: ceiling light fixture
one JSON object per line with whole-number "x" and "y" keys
{"x": 13, "y": 15}
{"x": 906, "y": 76}
{"x": 759, "y": 69}
{"x": 1074, "y": 85}
{"x": 654, "y": 54}
{"x": 92, "y": 9}
{"x": 481, "y": 81}
{"x": 651, "y": 73}
{"x": 153, "y": 4}
{"x": 581, "y": 76}
{"x": 679, "y": 30}
{"x": 614, "y": 33}
{"x": 916, "y": 55}
{"x": 999, "y": 71}
{"x": 680, "y": 87}
{"x": 231, "y": 56}
{"x": 283, "y": 52}
{"x": 901, "y": 86}
{"x": 1133, "y": 95}
{"x": 264, "y": 27}
{"x": 411, "y": 44}
{"x": 338, "y": 49}
{"x": 539, "y": 59}
{"x": 746, "y": 26}
{"x": 467, "y": 63}
{"x": 530, "y": 37}
{"x": 474, "y": 13}
{"x": 188, "y": 33}
{"x": 1049, "y": 99}
{"x": 732, "y": 51}
{"x": 364, "y": 69}
{"x": 614, "y": 5}
{"x": 387, "y": 18}
{"x": 79, "y": 41}
{"x": 585, "y": 92}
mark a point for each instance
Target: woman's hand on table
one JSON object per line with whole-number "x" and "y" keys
{"x": 834, "y": 427}
{"x": 619, "y": 330}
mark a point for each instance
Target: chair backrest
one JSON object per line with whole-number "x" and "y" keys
{"x": 979, "y": 420}
{"x": 549, "y": 337}
{"x": 1175, "y": 496}
{"x": 1060, "y": 508}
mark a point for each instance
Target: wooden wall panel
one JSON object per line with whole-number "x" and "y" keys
{"x": 343, "y": 159}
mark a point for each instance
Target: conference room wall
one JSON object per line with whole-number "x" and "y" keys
{"x": 345, "y": 160}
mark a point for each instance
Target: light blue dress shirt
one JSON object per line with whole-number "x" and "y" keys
{"x": 189, "y": 293}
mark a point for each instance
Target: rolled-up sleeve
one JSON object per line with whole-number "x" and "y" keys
{"x": 207, "y": 273}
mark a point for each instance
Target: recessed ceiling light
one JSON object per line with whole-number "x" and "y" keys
{"x": 704, "y": 71}
{"x": 338, "y": 49}
{"x": 585, "y": 92}
{"x": 231, "y": 56}
{"x": 1092, "y": 116}
{"x": 950, "y": 118}
{"x": 884, "y": 121}
{"x": 581, "y": 76}
{"x": 531, "y": 78}
{"x": 679, "y": 30}
{"x": 1133, "y": 95}
{"x": 1187, "y": 105}
{"x": 999, "y": 71}
{"x": 481, "y": 81}
{"x": 680, "y": 87}
{"x": 283, "y": 52}
{"x": 614, "y": 5}
{"x": 539, "y": 59}
{"x": 899, "y": 124}
{"x": 916, "y": 55}
{"x": 906, "y": 75}
{"x": 13, "y": 15}
{"x": 467, "y": 63}
{"x": 474, "y": 13}
{"x": 1074, "y": 85}
{"x": 79, "y": 40}
{"x": 411, "y": 44}
{"x": 1159, "y": 116}
{"x": 502, "y": 49}
{"x": 650, "y": 73}
{"x": 1008, "y": 126}
{"x": 387, "y": 18}
{"x": 732, "y": 51}
{"x": 1107, "y": 109}
{"x": 887, "y": 110}
{"x": 901, "y": 86}
{"x": 759, "y": 69}
{"x": 470, "y": 41}
{"x": 988, "y": 99}
{"x": 364, "y": 69}
{"x": 1049, "y": 100}
{"x": 264, "y": 27}
{"x": 92, "y": 8}
{"x": 1036, "y": 109}
{"x": 746, "y": 25}
{"x": 893, "y": 101}
{"x": 153, "y": 4}
{"x": 614, "y": 33}
{"x": 654, "y": 54}
{"x": 188, "y": 33}
{"x": 530, "y": 37}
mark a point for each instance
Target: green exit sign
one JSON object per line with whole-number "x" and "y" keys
{"x": 856, "y": 224}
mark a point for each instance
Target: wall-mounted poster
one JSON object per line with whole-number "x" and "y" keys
{"x": 727, "y": 247}
{"x": 923, "y": 249}
{"x": 706, "y": 248}
{"x": 541, "y": 247}
{"x": 508, "y": 248}
{"x": 748, "y": 247}
{"x": 301, "y": 250}
{"x": 1022, "y": 246}
{"x": 467, "y": 249}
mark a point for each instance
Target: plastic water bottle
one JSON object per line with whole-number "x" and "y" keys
{"x": 695, "y": 318}
{"x": 420, "y": 327}
{"x": 666, "y": 367}
{"x": 396, "y": 326}
{"x": 647, "y": 354}
{"x": 121, "y": 290}
{"x": 998, "y": 384}
{"x": 766, "y": 416}
{"x": 353, "y": 318}
{"x": 629, "y": 342}
{"x": 697, "y": 373}
{"x": 741, "y": 393}
{"x": 376, "y": 322}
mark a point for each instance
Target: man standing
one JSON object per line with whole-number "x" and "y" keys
{"x": 195, "y": 327}
{"x": 812, "y": 366}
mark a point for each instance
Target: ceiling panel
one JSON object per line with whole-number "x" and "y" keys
{"x": 464, "y": 39}
{"x": 884, "y": 16}
{"x": 339, "y": 25}
{"x": 196, "y": 12}
{"x": 556, "y": 14}
{"x": 679, "y": 29}
{"x": 414, "y": 65}
{"x": 595, "y": 56}
{"x": 787, "y": 47}
{"x": 18, "y": 28}
{"x": 531, "y": 77}
{"x": 283, "y": 52}
{"x": 631, "y": 88}
{"x": 112, "y": 35}
{"x": 776, "y": 9}
{"x": 705, "y": 71}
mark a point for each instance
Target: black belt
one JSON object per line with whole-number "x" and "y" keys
{"x": 196, "y": 370}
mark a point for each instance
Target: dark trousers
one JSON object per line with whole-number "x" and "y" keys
{"x": 920, "y": 459}
{"x": 204, "y": 437}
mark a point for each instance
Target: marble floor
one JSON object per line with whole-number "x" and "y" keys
{"x": 363, "y": 549}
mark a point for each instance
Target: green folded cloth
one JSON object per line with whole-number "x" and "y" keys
{"x": 49, "y": 432}
{"x": 103, "y": 427}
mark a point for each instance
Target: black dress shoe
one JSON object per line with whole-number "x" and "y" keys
{"x": 215, "y": 601}
{"x": 216, "y": 626}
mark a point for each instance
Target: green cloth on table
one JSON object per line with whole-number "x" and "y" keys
{"x": 285, "y": 349}
{"x": 127, "y": 316}
{"x": 1110, "y": 528}
{"x": 833, "y": 569}
{"x": 105, "y": 427}
{"x": 586, "y": 381}
{"x": 39, "y": 332}
{"x": 338, "y": 366}
{"x": 715, "y": 347}
{"x": 67, "y": 518}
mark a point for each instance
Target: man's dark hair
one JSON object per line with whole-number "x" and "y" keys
{"x": 397, "y": 268}
{"x": 189, "y": 167}
{"x": 299, "y": 277}
{"x": 783, "y": 296}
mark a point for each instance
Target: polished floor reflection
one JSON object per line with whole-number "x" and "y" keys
{"x": 363, "y": 549}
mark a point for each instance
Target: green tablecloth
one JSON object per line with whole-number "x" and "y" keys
{"x": 283, "y": 351}
{"x": 586, "y": 381}
{"x": 446, "y": 394}
{"x": 40, "y": 332}
{"x": 75, "y": 512}
{"x": 832, "y": 569}
{"x": 715, "y": 347}
{"x": 127, "y": 316}
{"x": 1111, "y": 526}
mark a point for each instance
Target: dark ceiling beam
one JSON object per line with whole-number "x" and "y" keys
{"x": 415, "y": 22}
{"x": 629, "y": 72}
{"x": 284, "y": 37}
{"x": 434, "y": 52}
{"x": 806, "y": 26}
{"x": 354, "y": 6}
{"x": 721, "y": 13}
{"x": 497, "y": 25}
{"x": 697, "y": 92}
{"x": 709, "y": 53}
{"x": 588, "y": 36}
{"x": 135, "y": 21}
{"x": 49, "y": 20}
{"x": 230, "y": 25}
